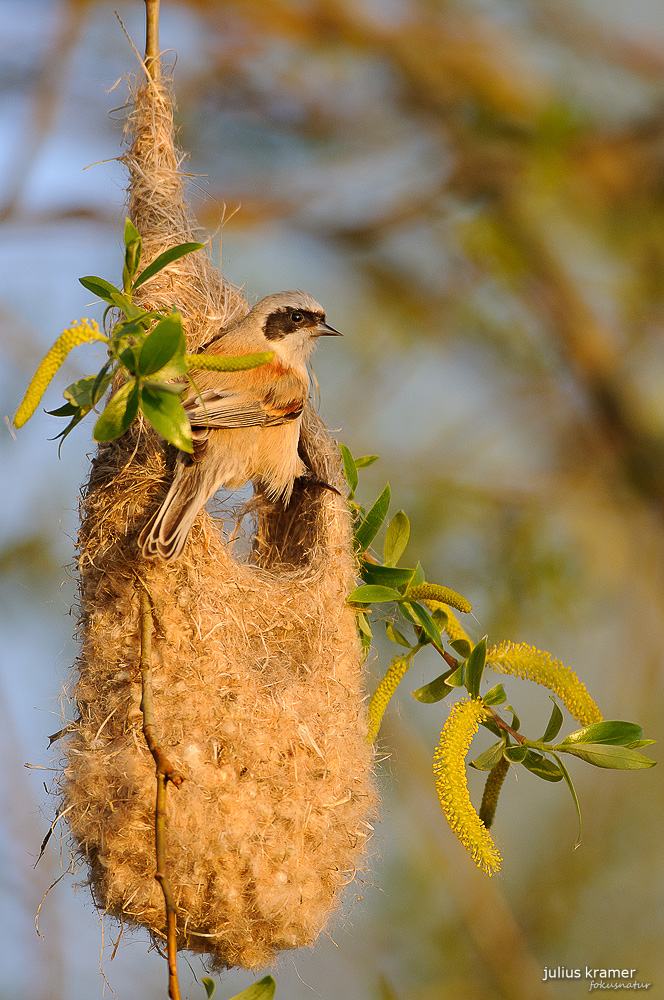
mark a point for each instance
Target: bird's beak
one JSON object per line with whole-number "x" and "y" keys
{"x": 323, "y": 330}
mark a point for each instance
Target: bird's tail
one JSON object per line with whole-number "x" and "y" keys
{"x": 165, "y": 534}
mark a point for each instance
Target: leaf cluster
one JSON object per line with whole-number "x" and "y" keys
{"x": 147, "y": 353}
{"x": 426, "y": 609}
{"x": 385, "y": 582}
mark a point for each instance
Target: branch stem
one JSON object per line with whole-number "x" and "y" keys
{"x": 501, "y": 724}
{"x": 165, "y": 773}
{"x": 152, "y": 39}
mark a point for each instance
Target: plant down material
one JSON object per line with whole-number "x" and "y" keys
{"x": 256, "y": 664}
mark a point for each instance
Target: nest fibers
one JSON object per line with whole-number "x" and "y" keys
{"x": 256, "y": 664}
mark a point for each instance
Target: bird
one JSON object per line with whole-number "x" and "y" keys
{"x": 245, "y": 424}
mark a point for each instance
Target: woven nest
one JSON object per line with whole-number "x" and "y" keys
{"x": 256, "y": 663}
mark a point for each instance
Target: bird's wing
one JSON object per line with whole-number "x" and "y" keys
{"x": 225, "y": 409}
{"x": 248, "y": 406}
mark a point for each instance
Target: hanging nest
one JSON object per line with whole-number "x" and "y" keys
{"x": 256, "y": 662}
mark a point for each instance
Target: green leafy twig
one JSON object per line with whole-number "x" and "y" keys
{"x": 146, "y": 350}
{"x": 426, "y": 608}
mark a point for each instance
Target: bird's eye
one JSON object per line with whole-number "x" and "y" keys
{"x": 297, "y": 317}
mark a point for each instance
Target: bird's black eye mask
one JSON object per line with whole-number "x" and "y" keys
{"x": 284, "y": 321}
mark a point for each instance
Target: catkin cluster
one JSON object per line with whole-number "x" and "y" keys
{"x": 258, "y": 693}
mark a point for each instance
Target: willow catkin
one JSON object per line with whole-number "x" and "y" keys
{"x": 257, "y": 682}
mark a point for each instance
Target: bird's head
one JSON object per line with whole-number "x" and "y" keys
{"x": 291, "y": 323}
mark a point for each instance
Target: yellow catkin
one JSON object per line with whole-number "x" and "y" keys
{"x": 449, "y": 765}
{"x": 533, "y": 664}
{"x": 218, "y": 363}
{"x": 443, "y": 595}
{"x": 386, "y": 688}
{"x": 78, "y": 333}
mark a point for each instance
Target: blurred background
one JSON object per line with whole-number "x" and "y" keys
{"x": 474, "y": 189}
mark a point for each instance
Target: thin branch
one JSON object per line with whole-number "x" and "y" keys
{"x": 165, "y": 773}
{"x": 152, "y": 64}
{"x": 501, "y": 724}
{"x": 162, "y": 879}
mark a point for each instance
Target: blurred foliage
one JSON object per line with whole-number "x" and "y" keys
{"x": 481, "y": 186}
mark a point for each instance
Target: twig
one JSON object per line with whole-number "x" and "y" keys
{"x": 165, "y": 773}
{"x": 152, "y": 64}
{"x": 501, "y": 724}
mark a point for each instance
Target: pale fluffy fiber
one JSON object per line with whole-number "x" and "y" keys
{"x": 256, "y": 665}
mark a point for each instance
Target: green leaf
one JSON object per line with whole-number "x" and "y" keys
{"x": 78, "y": 415}
{"x": 86, "y": 392}
{"x": 102, "y": 289}
{"x": 462, "y": 647}
{"x": 128, "y": 357}
{"x": 363, "y": 625}
{"x": 109, "y": 293}
{"x": 132, "y": 241}
{"x": 488, "y": 760}
{"x": 394, "y": 635}
{"x": 103, "y": 379}
{"x": 457, "y": 678}
{"x": 575, "y": 798}
{"x": 496, "y": 696}
{"x": 619, "y": 733}
{"x": 119, "y": 413}
{"x": 264, "y": 989}
{"x": 441, "y": 618}
{"x": 80, "y": 393}
{"x": 435, "y": 690}
{"x": 371, "y": 524}
{"x": 175, "y": 388}
{"x": 640, "y": 743}
{"x": 131, "y": 233}
{"x": 554, "y": 724}
{"x": 424, "y": 619}
{"x": 475, "y": 668}
{"x": 164, "y": 259}
{"x": 540, "y": 766}
{"x": 350, "y": 469}
{"x": 65, "y": 410}
{"x": 210, "y": 986}
{"x": 516, "y": 754}
{"x": 396, "y": 538}
{"x": 365, "y": 461}
{"x": 418, "y": 576}
{"x": 391, "y": 576}
{"x": 162, "y": 345}
{"x": 618, "y": 758}
{"x": 128, "y": 331}
{"x": 370, "y": 593}
{"x": 516, "y": 721}
{"x": 165, "y": 412}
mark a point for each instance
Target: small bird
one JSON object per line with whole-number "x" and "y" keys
{"x": 246, "y": 424}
